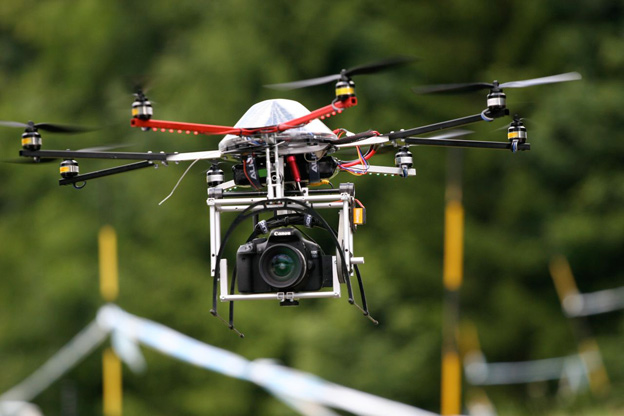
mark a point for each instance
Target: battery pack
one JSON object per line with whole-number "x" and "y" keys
{"x": 359, "y": 216}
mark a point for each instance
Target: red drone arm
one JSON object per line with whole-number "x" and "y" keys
{"x": 322, "y": 113}
{"x": 210, "y": 129}
{"x": 179, "y": 127}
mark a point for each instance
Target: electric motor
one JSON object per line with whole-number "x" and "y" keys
{"x": 496, "y": 100}
{"x": 214, "y": 176}
{"x": 69, "y": 168}
{"x": 31, "y": 140}
{"x": 142, "y": 108}
{"x": 345, "y": 89}
{"x": 403, "y": 160}
{"x": 517, "y": 131}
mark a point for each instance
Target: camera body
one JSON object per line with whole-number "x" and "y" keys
{"x": 285, "y": 262}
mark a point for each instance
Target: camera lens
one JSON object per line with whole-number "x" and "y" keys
{"x": 282, "y": 266}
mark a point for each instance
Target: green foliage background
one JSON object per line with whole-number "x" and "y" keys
{"x": 71, "y": 62}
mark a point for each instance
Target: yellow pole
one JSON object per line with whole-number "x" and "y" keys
{"x": 476, "y": 397}
{"x": 565, "y": 285}
{"x": 452, "y": 278}
{"x": 453, "y": 245}
{"x": 109, "y": 289}
{"x": 562, "y": 277}
{"x": 112, "y": 386}
{"x": 109, "y": 278}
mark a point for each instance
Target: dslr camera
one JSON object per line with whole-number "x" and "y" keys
{"x": 285, "y": 262}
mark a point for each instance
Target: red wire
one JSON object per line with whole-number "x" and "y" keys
{"x": 367, "y": 156}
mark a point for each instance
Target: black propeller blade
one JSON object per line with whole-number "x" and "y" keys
{"x": 140, "y": 90}
{"x": 476, "y": 86}
{"x": 345, "y": 74}
{"x": 53, "y": 128}
{"x": 137, "y": 83}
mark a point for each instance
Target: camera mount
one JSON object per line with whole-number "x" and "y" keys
{"x": 288, "y": 207}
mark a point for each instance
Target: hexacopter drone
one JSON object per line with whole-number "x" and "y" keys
{"x": 282, "y": 153}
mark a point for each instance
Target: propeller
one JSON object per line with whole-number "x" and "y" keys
{"x": 516, "y": 120}
{"x": 476, "y": 86}
{"x": 140, "y": 90}
{"x": 137, "y": 83}
{"x": 53, "y": 128}
{"x": 345, "y": 74}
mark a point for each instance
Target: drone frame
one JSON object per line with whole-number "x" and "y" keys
{"x": 300, "y": 200}
{"x": 345, "y": 98}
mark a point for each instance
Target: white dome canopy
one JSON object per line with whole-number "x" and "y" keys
{"x": 273, "y": 112}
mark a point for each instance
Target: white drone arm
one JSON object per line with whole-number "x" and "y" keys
{"x": 365, "y": 142}
{"x": 209, "y": 154}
